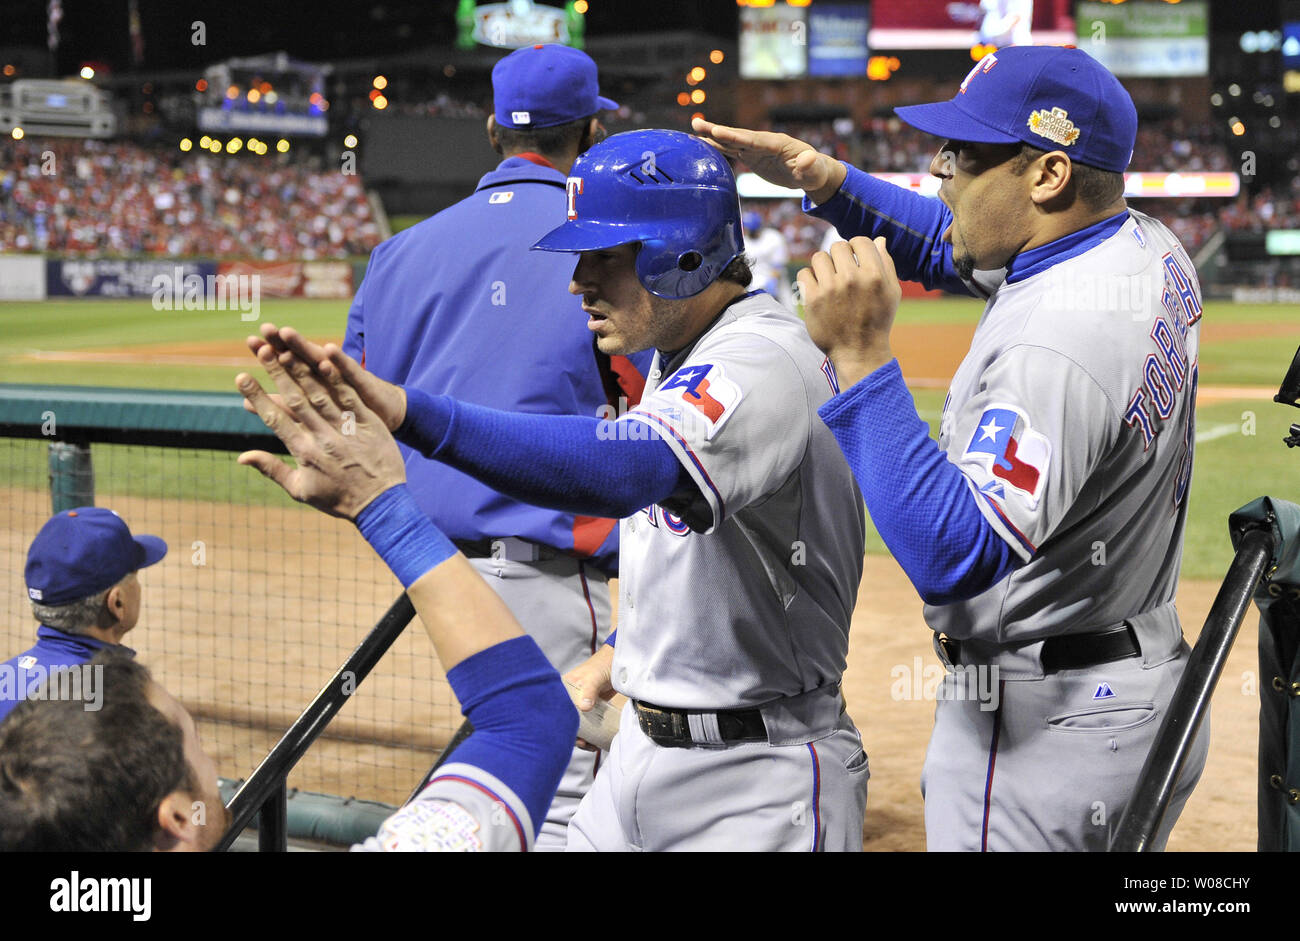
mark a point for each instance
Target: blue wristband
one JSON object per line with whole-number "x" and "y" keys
{"x": 404, "y": 537}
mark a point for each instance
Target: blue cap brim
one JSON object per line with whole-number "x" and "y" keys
{"x": 944, "y": 119}
{"x": 585, "y": 236}
{"x": 154, "y": 549}
{"x": 605, "y": 104}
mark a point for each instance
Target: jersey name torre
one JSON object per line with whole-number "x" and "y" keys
{"x": 1166, "y": 370}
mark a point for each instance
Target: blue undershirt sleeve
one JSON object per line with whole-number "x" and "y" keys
{"x": 921, "y": 503}
{"x": 911, "y": 224}
{"x": 524, "y": 723}
{"x": 569, "y": 463}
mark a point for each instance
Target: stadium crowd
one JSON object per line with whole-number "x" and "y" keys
{"x": 118, "y": 199}
{"x": 115, "y": 198}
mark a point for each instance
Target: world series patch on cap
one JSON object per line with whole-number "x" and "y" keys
{"x": 81, "y": 552}
{"x": 1050, "y": 97}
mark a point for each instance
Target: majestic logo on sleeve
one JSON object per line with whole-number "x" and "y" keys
{"x": 1013, "y": 452}
{"x": 711, "y": 395}
{"x": 1055, "y": 125}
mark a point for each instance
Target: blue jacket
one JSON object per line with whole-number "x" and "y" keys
{"x": 54, "y": 650}
{"x": 458, "y": 304}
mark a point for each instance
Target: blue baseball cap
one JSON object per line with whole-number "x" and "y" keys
{"x": 546, "y": 85}
{"x": 81, "y": 552}
{"x": 1050, "y": 97}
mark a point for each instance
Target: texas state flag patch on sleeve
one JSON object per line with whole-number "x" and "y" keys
{"x": 1015, "y": 454}
{"x": 711, "y": 395}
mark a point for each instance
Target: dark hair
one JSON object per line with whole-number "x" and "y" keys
{"x": 76, "y": 780}
{"x": 547, "y": 141}
{"x": 738, "y": 272}
{"x": 1095, "y": 188}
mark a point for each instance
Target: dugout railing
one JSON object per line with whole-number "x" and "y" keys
{"x": 259, "y": 601}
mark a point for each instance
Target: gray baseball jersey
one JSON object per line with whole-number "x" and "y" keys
{"x": 462, "y": 810}
{"x": 1073, "y": 418}
{"x": 743, "y": 596}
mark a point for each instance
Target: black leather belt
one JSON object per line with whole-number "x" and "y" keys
{"x": 671, "y": 727}
{"x": 511, "y": 549}
{"x": 1073, "y": 651}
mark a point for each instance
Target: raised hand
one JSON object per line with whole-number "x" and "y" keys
{"x": 778, "y": 158}
{"x": 345, "y": 453}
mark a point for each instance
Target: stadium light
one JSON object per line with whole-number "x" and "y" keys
{"x": 205, "y": 141}
{"x": 381, "y": 102}
{"x": 232, "y": 91}
{"x": 186, "y": 145}
{"x": 380, "y": 82}
{"x": 1234, "y": 89}
{"x": 1275, "y": 122}
{"x": 201, "y": 85}
{"x": 350, "y": 141}
{"x": 697, "y": 96}
{"x": 271, "y": 97}
{"x": 87, "y": 72}
{"x": 683, "y": 98}
{"x": 214, "y": 145}
{"x": 1216, "y": 99}
{"x": 234, "y": 145}
{"x": 17, "y": 133}
{"x": 580, "y": 7}
{"x": 254, "y": 96}
{"x": 698, "y": 73}
{"x": 1238, "y": 128}
{"x": 716, "y": 56}
{"x": 282, "y": 145}
{"x": 9, "y": 70}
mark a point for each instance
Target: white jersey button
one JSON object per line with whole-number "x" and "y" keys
{"x": 622, "y": 676}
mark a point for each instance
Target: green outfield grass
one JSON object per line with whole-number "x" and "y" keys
{"x": 1239, "y": 453}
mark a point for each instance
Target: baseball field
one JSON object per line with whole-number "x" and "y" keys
{"x": 1245, "y": 350}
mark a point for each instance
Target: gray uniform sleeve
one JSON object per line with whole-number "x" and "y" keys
{"x": 738, "y": 418}
{"x": 462, "y": 810}
{"x": 1029, "y": 440}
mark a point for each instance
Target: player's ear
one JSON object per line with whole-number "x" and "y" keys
{"x": 492, "y": 133}
{"x": 176, "y": 830}
{"x": 1050, "y": 177}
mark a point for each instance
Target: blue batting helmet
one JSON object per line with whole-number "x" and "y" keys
{"x": 670, "y": 192}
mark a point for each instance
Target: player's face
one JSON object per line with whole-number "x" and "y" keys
{"x": 211, "y": 817}
{"x": 989, "y": 203}
{"x": 625, "y": 317}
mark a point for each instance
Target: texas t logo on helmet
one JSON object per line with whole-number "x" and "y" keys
{"x": 671, "y": 193}
{"x": 573, "y": 186}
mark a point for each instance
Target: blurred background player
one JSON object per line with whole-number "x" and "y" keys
{"x": 767, "y": 250}
{"x": 459, "y": 305}
{"x": 84, "y": 590}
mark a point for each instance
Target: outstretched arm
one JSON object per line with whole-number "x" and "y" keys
{"x": 525, "y": 724}
{"x": 856, "y": 203}
{"x": 566, "y": 462}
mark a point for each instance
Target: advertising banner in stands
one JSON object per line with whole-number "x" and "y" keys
{"x": 332, "y": 279}
{"x": 118, "y": 278}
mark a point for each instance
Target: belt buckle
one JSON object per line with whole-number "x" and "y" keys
{"x": 664, "y": 727}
